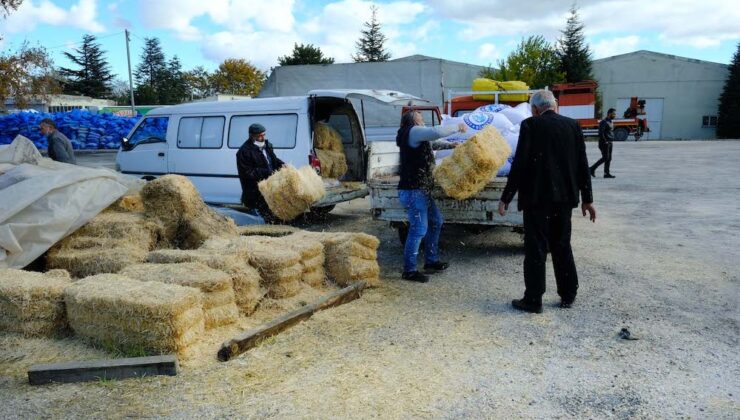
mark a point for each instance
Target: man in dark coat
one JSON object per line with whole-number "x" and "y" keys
{"x": 606, "y": 138}
{"x": 60, "y": 148}
{"x": 550, "y": 168}
{"x": 255, "y": 162}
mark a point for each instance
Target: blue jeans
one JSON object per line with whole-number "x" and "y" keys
{"x": 425, "y": 222}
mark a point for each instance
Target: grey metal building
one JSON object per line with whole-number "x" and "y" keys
{"x": 682, "y": 94}
{"x": 419, "y": 75}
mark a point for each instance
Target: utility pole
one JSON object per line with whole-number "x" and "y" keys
{"x": 130, "y": 79}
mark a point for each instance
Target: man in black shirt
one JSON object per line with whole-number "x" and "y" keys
{"x": 255, "y": 162}
{"x": 549, "y": 171}
{"x": 606, "y": 138}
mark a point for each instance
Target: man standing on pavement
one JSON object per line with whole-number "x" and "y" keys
{"x": 255, "y": 162}
{"x": 606, "y": 138}
{"x": 550, "y": 168}
{"x": 60, "y": 148}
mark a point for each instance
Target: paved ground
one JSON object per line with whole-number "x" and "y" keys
{"x": 661, "y": 260}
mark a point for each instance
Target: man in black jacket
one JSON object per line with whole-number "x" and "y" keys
{"x": 606, "y": 138}
{"x": 60, "y": 148}
{"x": 255, "y": 162}
{"x": 550, "y": 168}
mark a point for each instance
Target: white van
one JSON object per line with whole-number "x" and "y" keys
{"x": 200, "y": 140}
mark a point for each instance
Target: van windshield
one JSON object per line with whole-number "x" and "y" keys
{"x": 151, "y": 130}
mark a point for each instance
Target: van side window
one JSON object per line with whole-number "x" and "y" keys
{"x": 151, "y": 130}
{"x": 281, "y": 129}
{"x": 342, "y": 124}
{"x": 200, "y": 132}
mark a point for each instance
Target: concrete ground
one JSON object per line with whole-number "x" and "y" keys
{"x": 661, "y": 260}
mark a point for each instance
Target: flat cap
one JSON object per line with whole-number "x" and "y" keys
{"x": 256, "y": 128}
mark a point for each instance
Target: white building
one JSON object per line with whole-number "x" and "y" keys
{"x": 682, "y": 94}
{"x": 60, "y": 103}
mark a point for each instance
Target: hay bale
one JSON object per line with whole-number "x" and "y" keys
{"x": 473, "y": 164}
{"x": 187, "y": 220}
{"x": 327, "y": 138}
{"x": 245, "y": 278}
{"x": 350, "y": 256}
{"x": 345, "y": 269}
{"x": 127, "y": 203}
{"x": 266, "y": 230}
{"x": 333, "y": 164}
{"x": 32, "y": 303}
{"x": 315, "y": 278}
{"x": 218, "y": 310}
{"x": 87, "y": 262}
{"x": 129, "y": 314}
{"x": 58, "y": 273}
{"x": 132, "y": 228}
{"x": 290, "y": 192}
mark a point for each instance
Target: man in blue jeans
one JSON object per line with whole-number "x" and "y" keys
{"x": 415, "y": 193}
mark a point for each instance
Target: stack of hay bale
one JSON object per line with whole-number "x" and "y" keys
{"x": 350, "y": 256}
{"x": 31, "y": 303}
{"x": 186, "y": 219}
{"x": 329, "y": 150}
{"x": 107, "y": 243}
{"x": 245, "y": 278}
{"x": 290, "y": 192}
{"x": 219, "y": 303}
{"x": 473, "y": 164}
{"x": 310, "y": 250}
{"x": 133, "y": 315}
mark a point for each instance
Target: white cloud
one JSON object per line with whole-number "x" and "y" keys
{"x": 615, "y": 46}
{"x": 30, "y": 14}
{"x": 489, "y": 52}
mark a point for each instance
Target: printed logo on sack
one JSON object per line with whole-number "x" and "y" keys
{"x": 492, "y": 108}
{"x": 478, "y": 120}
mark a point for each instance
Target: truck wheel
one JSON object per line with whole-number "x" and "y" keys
{"x": 621, "y": 134}
{"x": 321, "y": 213}
{"x": 402, "y": 229}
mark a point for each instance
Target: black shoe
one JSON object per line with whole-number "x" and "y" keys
{"x": 592, "y": 171}
{"x": 436, "y": 266}
{"x": 414, "y": 276}
{"x": 526, "y": 306}
{"x": 566, "y": 304}
{"x": 609, "y": 176}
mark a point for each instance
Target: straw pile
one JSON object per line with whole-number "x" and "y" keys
{"x": 472, "y": 164}
{"x": 266, "y": 230}
{"x": 187, "y": 220}
{"x": 219, "y": 303}
{"x": 245, "y": 278}
{"x": 31, "y": 303}
{"x": 333, "y": 164}
{"x": 350, "y": 256}
{"x": 128, "y": 203}
{"x": 129, "y": 314}
{"x": 290, "y": 192}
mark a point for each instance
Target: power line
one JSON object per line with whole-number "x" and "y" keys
{"x": 68, "y": 45}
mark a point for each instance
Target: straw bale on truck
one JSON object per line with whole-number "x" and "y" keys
{"x": 32, "y": 303}
{"x": 330, "y": 151}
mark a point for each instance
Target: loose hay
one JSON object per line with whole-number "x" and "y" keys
{"x": 115, "y": 310}
{"x": 128, "y": 203}
{"x": 187, "y": 220}
{"x": 290, "y": 192}
{"x": 87, "y": 262}
{"x": 32, "y": 303}
{"x": 266, "y": 230}
{"x": 472, "y": 164}
{"x": 333, "y": 164}
{"x": 327, "y": 138}
{"x": 218, "y": 310}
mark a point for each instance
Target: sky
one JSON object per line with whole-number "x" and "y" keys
{"x": 204, "y": 33}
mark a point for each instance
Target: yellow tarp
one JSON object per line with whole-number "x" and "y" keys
{"x": 483, "y": 84}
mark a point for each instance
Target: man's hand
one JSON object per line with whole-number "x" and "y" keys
{"x": 502, "y": 207}
{"x": 585, "y": 207}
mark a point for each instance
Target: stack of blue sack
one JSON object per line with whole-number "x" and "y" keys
{"x": 84, "y": 129}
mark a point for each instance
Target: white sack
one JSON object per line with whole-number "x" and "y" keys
{"x": 518, "y": 114}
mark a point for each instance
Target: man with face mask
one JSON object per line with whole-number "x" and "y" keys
{"x": 255, "y": 162}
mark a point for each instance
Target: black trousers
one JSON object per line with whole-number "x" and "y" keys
{"x": 606, "y": 158}
{"x": 548, "y": 229}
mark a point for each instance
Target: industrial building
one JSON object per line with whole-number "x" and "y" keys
{"x": 59, "y": 103}
{"x": 681, "y": 94}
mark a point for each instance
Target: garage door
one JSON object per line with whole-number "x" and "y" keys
{"x": 654, "y": 111}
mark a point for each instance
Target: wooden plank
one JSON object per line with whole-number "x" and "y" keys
{"x": 254, "y": 337}
{"x": 94, "y": 370}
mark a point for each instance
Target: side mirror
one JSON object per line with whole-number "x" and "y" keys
{"x": 125, "y": 145}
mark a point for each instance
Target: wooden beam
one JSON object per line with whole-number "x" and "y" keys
{"x": 253, "y": 338}
{"x": 94, "y": 370}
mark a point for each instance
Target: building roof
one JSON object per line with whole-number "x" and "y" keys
{"x": 659, "y": 55}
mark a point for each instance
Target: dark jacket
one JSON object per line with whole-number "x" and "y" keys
{"x": 606, "y": 132}
{"x": 550, "y": 165}
{"x": 416, "y": 163}
{"x": 60, "y": 148}
{"x": 253, "y": 168}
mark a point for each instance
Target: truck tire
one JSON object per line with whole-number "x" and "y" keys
{"x": 621, "y": 134}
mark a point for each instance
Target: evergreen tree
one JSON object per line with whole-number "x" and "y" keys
{"x": 728, "y": 119}
{"x": 174, "y": 89}
{"x": 150, "y": 73}
{"x": 93, "y": 77}
{"x": 574, "y": 54}
{"x": 305, "y": 54}
{"x": 534, "y": 62}
{"x": 370, "y": 47}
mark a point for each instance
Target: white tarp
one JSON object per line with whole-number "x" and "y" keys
{"x": 42, "y": 201}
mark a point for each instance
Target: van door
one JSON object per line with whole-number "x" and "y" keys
{"x": 144, "y": 152}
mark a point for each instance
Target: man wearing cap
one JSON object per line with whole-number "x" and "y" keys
{"x": 256, "y": 161}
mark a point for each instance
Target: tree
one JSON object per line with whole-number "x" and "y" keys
{"x": 728, "y": 118}
{"x": 26, "y": 74}
{"x": 174, "y": 89}
{"x": 574, "y": 54}
{"x": 534, "y": 62}
{"x": 370, "y": 47}
{"x": 6, "y": 6}
{"x": 93, "y": 78}
{"x": 150, "y": 73}
{"x": 305, "y": 54}
{"x": 237, "y": 76}
{"x": 197, "y": 82}
{"x": 120, "y": 92}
